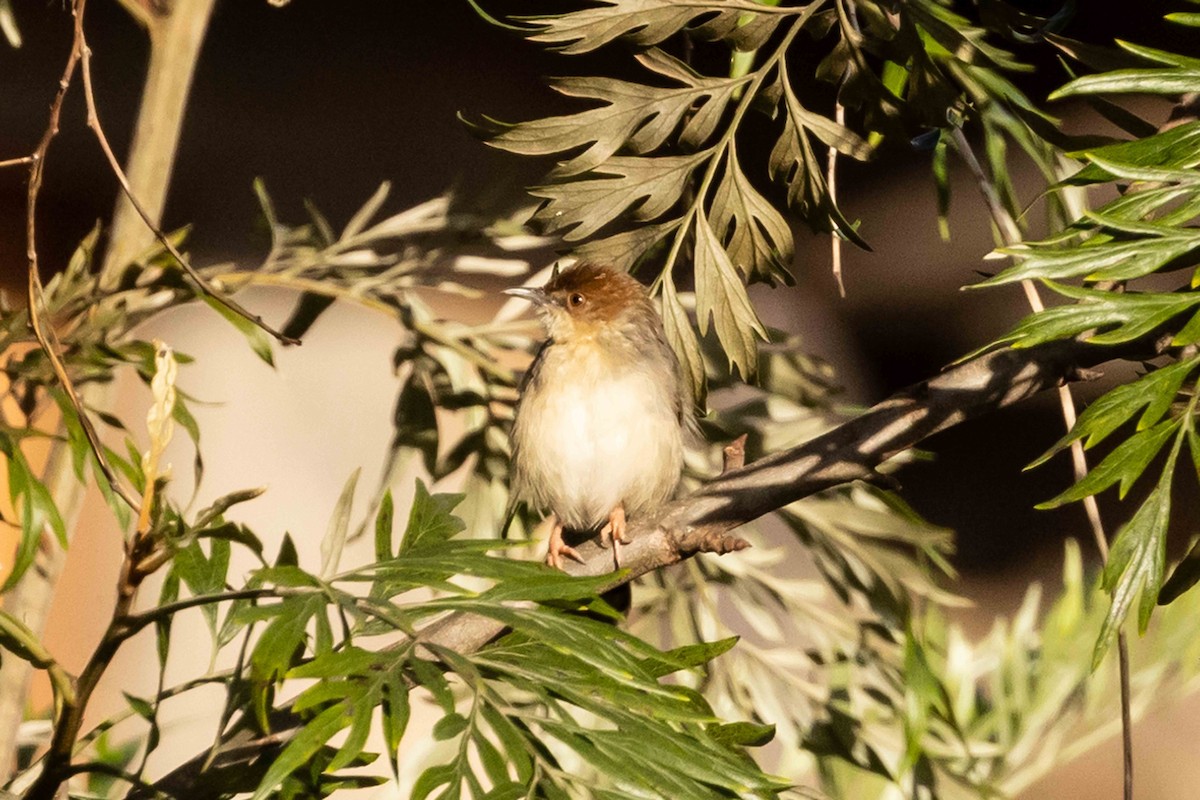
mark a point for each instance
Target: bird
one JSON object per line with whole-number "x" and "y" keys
{"x": 599, "y": 428}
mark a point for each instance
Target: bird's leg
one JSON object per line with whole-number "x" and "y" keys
{"x": 614, "y": 531}
{"x": 559, "y": 548}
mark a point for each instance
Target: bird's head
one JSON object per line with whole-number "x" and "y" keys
{"x": 587, "y": 299}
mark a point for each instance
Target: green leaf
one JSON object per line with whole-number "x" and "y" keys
{"x": 183, "y": 415}
{"x": 1185, "y": 575}
{"x": 1121, "y": 316}
{"x": 383, "y": 528}
{"x": 339, "y": 525}
{"x": 1154, "y": 391}
{"x": 1124, "y": 464}
{"x": 18, "y": 639}
{"x": 449, "y": 727}
{"x": 300, "y": 750}
{"x": 33, "y": 503}
{"x": 1133, "y": 81}
{"x": 688, "y": 656}
{"x": 396, "y": 711}
{"x": 361, "y": 713}
{"x": 256, "y": 337}
{"x": 430, "y": 521}
{"x": 1112, "y": 261}
{"x": 283, "y": 638}
{"x": 721, "y": 296}
{"x": 1175, "y": 149}
{"x": 742, "y": 734}
{"x": 1160, "y": 56}
{"x": 432, "y": 778}
{"x": 1136, "y": 562}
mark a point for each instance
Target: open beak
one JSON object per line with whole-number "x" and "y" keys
{"x": 533, "y": 295}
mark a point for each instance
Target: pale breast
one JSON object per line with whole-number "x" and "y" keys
{"x": 591, "y": 435}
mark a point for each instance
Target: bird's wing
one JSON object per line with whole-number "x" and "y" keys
{"x": 535, "y": 367}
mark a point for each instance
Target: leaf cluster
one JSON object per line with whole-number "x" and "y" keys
{"x": 1110, "y": 266}
{"x": 654, "y": 171}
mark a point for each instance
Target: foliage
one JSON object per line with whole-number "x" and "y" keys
{"x": 855, "y": 671}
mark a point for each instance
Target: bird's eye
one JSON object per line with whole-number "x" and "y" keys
{"x": 576, "y": 300}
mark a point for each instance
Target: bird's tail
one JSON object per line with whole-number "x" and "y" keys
{"x": 509, "y": 515}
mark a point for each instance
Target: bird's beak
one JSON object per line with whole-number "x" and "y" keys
{"x": 534, "y": 295}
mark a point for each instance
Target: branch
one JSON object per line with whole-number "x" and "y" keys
{"x": 703, "y": 521}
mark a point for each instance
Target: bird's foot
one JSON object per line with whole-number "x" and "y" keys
{"x": 559, "y": 548}
{"x": 614, "y": 532}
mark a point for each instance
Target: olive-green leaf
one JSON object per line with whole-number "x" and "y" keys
{"x": 682, "y": 339}
{"x": 645, "y": 22}
{"x": 648, "y": 187}
{"x": 624, "y": 250}
{"x": 757, "y": 237}
{"x": 634, "y": 116}
{"x": 794, "y": 162}
{"x": 721, "y": 295}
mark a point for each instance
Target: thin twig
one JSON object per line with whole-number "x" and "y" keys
{"x": 14, "y": 162}
{"x": 174, "y": 45}
{"x": 93, "y": 119}
{"x": 45, "y": 334}
{"x": 1010, "y": 234}
{"x": 835, "y": 241}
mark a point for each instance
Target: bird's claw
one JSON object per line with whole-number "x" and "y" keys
{"x": 555, "y": 556}
{"x": 559, "y": 548}
{"x": 614, "y": 532}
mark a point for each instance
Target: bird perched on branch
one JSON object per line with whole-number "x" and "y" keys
{"x": 598, "y": 435}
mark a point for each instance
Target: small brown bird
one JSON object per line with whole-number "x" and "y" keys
{"x": 598, "y": 435}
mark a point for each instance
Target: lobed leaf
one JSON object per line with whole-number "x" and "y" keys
{"x": 633, "y": 116}
{"x": 746, "y": 25}
{"x": 756, "y": 237}
{"x": 1125, "y": 464}
{"x": 1154, "y": 391}
{"x": 645, "y": 187}
{"x": 430, "y": 521}
{"x": 721, "y": 296}
{"x": 1136, "y": 562}
{"x": 1120, "y": 317}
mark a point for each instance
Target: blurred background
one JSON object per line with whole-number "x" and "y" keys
{"x": 324, "y": 101}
